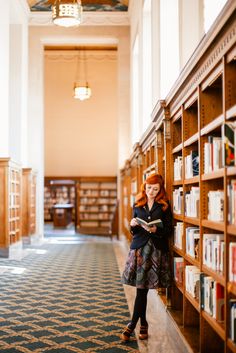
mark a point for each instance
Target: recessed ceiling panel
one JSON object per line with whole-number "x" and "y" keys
{"x": 88, "y": 5}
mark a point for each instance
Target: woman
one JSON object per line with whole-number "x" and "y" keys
{"x": 147, "y": 266}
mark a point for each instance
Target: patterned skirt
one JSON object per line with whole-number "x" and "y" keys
{"x": 147, "y": 267}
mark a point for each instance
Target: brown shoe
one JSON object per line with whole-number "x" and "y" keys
{"x": 125, "y": 336}
{"x": 143, "y": 333}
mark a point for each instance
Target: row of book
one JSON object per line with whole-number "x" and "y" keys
{"x": 205, "y": 290}
{"x": 192, "y": 241}
{"x": 178, "y": 235}
{"x": 191, "y": 166}
{"x": 191, "y": 204}
{"x": 212, "y": 154}
{"x": 213, "y": 247}
{"x": 211, "y": 297}
{"x": 231, "y": 193}
{"x": 213, "y": 251}
{"x": 94, "y": 216}
{"x": 192, "y": 198}
{"x": 178, "y": 263}
{"x": 216, "y": 205}
{"x": 178, "y": 168}
{"x": 219, "y": 151}
{"x": 232, "y": 325}
{"x": 178, "y": 200}
{"x": 232, "y": 262}
{"x": 192, "y": 276}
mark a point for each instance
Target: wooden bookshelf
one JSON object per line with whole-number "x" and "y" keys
{"x": 28, "y": 204}
{"x": 10, "y": 199}
{"x": 202, "y": 100}
{"x": 58, "y": 190}
{"x": 96, "y": 204}
{"x": 201, "y": 114}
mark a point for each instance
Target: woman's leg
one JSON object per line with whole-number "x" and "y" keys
{"x": 140, "y": 306}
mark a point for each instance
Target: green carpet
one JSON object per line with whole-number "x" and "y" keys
{"x": 68, "y": 299}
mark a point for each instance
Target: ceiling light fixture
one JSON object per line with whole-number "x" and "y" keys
{"x": 81, "y": 91}
{"x": 67, "y": 14}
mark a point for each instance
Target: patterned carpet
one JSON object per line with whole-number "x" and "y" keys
{"x": 63, "y": 298}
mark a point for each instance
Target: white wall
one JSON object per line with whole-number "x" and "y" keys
{"x": 81, "y": 137}
{"x": 177, "y": 28}
{"x": 4, "y": 74}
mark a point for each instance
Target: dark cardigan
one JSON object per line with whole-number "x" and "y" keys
{"x": 160, "y": 237}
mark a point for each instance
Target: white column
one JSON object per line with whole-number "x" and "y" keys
{"x": 124, "y": 122}
{"x": 36, "y": 120}
{"x": 191, "y": 28}
{"x": 24, "y": 96}
{"x": 4, "y": 74}
{"x": 155, "y": 51}
{"x": 169, "y": 45}
{"x": 15, "y": 81}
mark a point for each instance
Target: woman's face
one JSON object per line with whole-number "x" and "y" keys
{"x": 152, "y": 191}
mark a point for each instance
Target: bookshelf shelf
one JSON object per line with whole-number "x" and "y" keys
{"x": 178, "y": 217}
{"x": 218, "y": 276}
{"x": 177, "y": 182}
{"x": 215, "y": 175}
{"x": 231, "y": 229}
{"x": 180, "y": 287}
{"x": 212, "y": 125}
{"x": 191, "y": 140}
{"x": 231, "y": 287}
{"x": 218, "y": 327}
{"x": 177, "y": 148}
{"x": 193, "y": 301}
{"x": 231, "y": 345}
{"x": 231, "y": 113}
{"x": 231, "y": 171}
{"x": 192, "y": 260}
{"x": 193, "y": 180}
{"x": 220, "y": 226}
{"x": 178, "y": 251}
{"x": 194, "y": 221}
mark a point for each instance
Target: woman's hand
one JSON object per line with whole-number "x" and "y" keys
{"x": 133, "y": 222}
{"x": 152, "y": 229}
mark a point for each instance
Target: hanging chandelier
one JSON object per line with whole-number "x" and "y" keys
{"x": 81, "y": 91}
{"x": 67, "y": 13}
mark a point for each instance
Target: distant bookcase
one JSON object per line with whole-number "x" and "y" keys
{"x": 96, "y": 204}
{"x": 10, "y": 197}
{"x": 29, "y": 178}
{"x": 58, "y": 191}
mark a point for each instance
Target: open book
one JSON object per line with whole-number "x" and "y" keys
{"x": 156, "y": 222}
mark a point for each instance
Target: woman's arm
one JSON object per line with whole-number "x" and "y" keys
{"x": 167, "y": 220}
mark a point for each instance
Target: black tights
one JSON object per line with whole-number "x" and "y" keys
{"x": 140, "y": 306}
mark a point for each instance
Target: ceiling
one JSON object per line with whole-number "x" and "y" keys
{"x": 88, "y": 5}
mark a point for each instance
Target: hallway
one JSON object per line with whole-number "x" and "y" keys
{"x": 65, "y": 296}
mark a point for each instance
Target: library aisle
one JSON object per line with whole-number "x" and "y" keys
{"x": 65, "y": 296}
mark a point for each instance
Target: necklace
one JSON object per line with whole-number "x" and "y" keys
{"x": 150, "y": 204}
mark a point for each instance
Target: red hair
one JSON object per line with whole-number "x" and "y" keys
{"x": 141, "y": 198}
